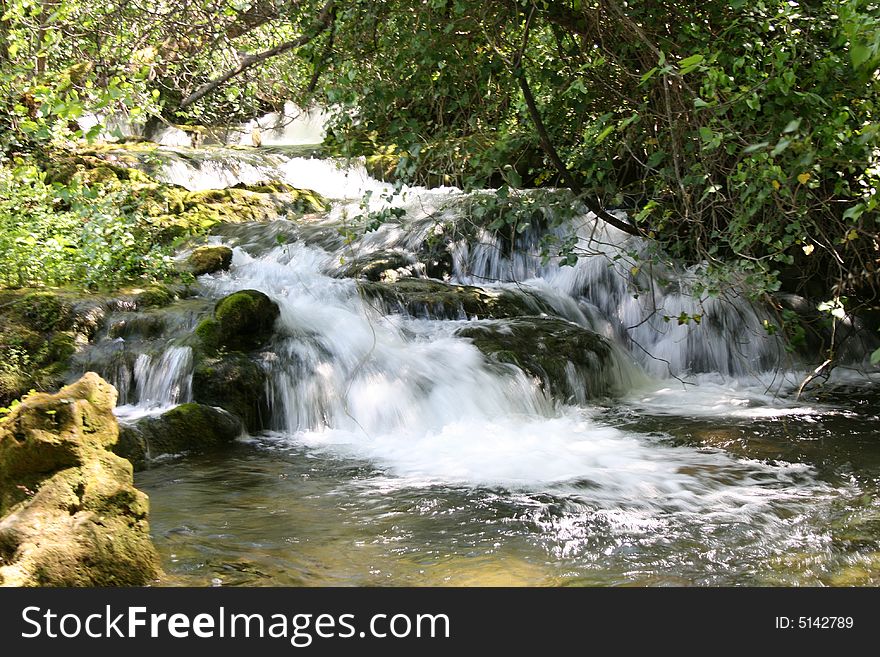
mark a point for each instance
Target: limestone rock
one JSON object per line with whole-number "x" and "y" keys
{"x": 569, "y": 361}
{"x": 186, "y": 428}
{"x": 69, "y": 513}
{"x": 209, "y": 259}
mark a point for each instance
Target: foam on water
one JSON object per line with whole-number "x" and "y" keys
{"x": 426, "y": 407}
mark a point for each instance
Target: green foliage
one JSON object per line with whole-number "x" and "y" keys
{"x": 51, "y": 234}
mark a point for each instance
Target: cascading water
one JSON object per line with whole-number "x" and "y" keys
{"x": 390, "y": 421}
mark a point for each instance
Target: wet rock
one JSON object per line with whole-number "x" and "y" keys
{"x": 184, "y": 429}
{"x": 571, "y": 363}
{"x": 437, "y": 300}
{"x": 235, "y": 383}
{"x": 69, "y": 513}
{"x": 382, "y": 266}
{"x": 243, "y": 321}
{"x": 209, "y": 259}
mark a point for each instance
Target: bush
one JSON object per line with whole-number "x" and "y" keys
{"x": 52, "y": 234}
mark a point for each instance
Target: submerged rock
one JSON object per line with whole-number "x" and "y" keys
{"x": 209, "y": 259}
{"x": 437, "y": 300}
{"x": 186, "y": 428}
{"x": 235, "y": 383}
{"x": 242, "y": 321}
{"x": 69, "y": 513}
{"x": 571, "y": 363}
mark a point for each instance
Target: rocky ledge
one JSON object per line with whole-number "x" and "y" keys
{"x": 69, "y": 512}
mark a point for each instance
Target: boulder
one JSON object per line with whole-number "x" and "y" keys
{"x": 570, "y": 362}
{"x": 243, "y": 321}
{"x": 434, "y": 299}
{"x": 235, "y": 383}
{"x": 69, "y": 513}
{"x": 184, "y": 429}
{"x": 209, "y": 259}
{"x": 381, "y": 266}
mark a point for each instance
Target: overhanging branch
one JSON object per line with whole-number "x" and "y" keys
{"x": 321, "y": 23}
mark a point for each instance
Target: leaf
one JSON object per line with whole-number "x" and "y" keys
{"x": 804, "y": 177}
{"x": 854, "y": 212}
{"x": 793, "y": 125}
{"x": 647, "y": 76}
{"x": 781, "y": 145}
{"x": 875, "y": 357}
{"x": 859, "y": 53}
{"x": 656, "y": 158}
{"x": 756, "y": 147}
{"x": 775, "y": 184}
{"x": 602, "y": 135}
{"x": 693, "y": 60}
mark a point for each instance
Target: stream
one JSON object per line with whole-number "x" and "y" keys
{"x": 398, "y": 454}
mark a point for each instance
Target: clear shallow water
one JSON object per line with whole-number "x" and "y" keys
{"x": 663, "y": 500}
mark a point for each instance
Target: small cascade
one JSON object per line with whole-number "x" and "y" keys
{"x": 166, "y": 380}
{"x": 141, "y": 354}
{"x": 431, "y": 372}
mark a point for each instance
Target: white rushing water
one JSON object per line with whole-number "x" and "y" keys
{"x": 409, "y": 396}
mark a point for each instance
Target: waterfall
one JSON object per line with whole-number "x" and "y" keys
{"x": 164, "y": 381}
{"x": 417, "y": 398}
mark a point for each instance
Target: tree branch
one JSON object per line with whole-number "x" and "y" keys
{"x": 551, "y": 152}
{"x": 321, "y": 23}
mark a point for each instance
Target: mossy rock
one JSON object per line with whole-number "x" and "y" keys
{"x": 157, "y": 296}
{"x": 142, "y": 325}
{"x": 438, "y": 300}
{"x": 178, "y": 211}
{"x": 381, "y": 266}
{"x": 69, "y": 513}
{"x": 209, "y": 259}
{"x": 571, "y": 363}
{"x": 243, "y": 321}
{"x": 188, "y": 428}
{"x": 235, "y": 383}
{"x": 39, "y": 331}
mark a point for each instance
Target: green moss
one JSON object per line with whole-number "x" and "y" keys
{"x": 571, "y": 363}
{"x": 208, "y": 331}
{"x": 209, "y": 259}
{"x": 246, "y": 319}
{"x": 157, "y": 296}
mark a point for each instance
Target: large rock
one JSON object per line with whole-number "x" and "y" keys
{"x": 40, "y": 330}
{"x": 69, "y": 513}
{"x": 243, "y": 321}
{"x": 570, "y": 362}
{"x": 235, "y": 383}
{"x": 184, "y": 429}
{"x": 434, "y": 299}
{"x": 209, "y": 259}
